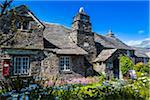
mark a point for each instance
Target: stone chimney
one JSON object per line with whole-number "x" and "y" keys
{"x": 110, "y": 34}
{"x": 82, "y": 33}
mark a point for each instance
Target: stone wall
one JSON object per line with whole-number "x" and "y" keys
{"x": 50, "y": 65}
{"x": 32, "y": 39}
{"x": 11, "y": 36}
{"x": 45, "y": 64}
{"x": 88, "y": 38}
{"x": 100, "y": 67}
{"x": 35, "y": 57}
{"x": 77, "y": 70}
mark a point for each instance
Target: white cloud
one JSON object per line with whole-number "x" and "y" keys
{"x": 148, "y": 39}
{"x": 140, "y": 31}
{"x": 137, "y": 42}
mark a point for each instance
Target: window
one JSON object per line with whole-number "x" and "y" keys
{"x": 145, "y": 61}
{"x": 84, "y": 19}
{"x": 64, "y": 63}
{"x": 100, "y": 63}
{"x": 22, "y": 26}
{"x": 21, "y": 65}
{"x": 25, "y": 25}
{"x": 110, "y": 65}
{"x": 18, "y": 25}
{"x": 86, "y": 44}
{"x": 128, "y": 53}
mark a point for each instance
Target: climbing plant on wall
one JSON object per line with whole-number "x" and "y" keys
{"x": 125, "y": 64}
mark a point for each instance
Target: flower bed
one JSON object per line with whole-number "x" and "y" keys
{"x": 106, "y": 90}
{"x": 116, "y": 90}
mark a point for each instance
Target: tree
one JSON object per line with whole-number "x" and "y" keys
{"x": 4, "y": 5}
{"x": 7, "y": 22}
{"x": 125, "y": 64}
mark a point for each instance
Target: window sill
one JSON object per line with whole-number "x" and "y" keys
{"x": 23, "y": 30}
{"x": 22, "y": 76}
{"x": 66, "y": 72}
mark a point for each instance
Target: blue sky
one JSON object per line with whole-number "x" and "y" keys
{"x": 129, "y": 20}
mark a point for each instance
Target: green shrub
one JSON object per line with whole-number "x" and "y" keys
{"x": 138, "y": 66}
{"x": 146, "y": 68}
{"x": 143, "y": 68}
{"x": 125, "y": 64}
{"x": 102, "y": 77}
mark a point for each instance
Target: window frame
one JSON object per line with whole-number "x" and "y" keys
{"x": 22, "y": 69}
{"x": 86, "y": 44}
{"x": 128, "y": 53}
{"x": 21, "y": 26}
{"x": 84, "y": 18}
{"x": 25, "y": 25}
{"x": 110, "y": 65}
{"x": 64, "y": 64}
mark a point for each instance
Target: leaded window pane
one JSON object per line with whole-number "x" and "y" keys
{"x": 64, "y": 63}
{"x": 21, "y": 65}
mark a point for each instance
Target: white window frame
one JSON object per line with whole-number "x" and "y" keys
{"x": 24, "y": 62}
{"x": 63, "y": 63}
{"x": 86, "y": 44}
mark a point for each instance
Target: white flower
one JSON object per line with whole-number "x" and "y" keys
{"x": 144, "y": 81}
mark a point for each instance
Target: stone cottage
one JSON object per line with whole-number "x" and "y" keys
{"x": 44, "y": 50}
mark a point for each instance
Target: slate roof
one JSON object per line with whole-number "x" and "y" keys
{"x": 111, "y": 42}
{"x": 105, "y": 54}
{"x": 148, "y": 54}
{"x": 140, "y": 53}
{"x": 59, "y": 36}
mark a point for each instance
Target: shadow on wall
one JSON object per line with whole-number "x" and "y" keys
{"x": 89, "y": 71}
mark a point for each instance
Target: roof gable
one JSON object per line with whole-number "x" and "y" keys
{"x": 23, "y": 10}
{"x": 105, "y": 54}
